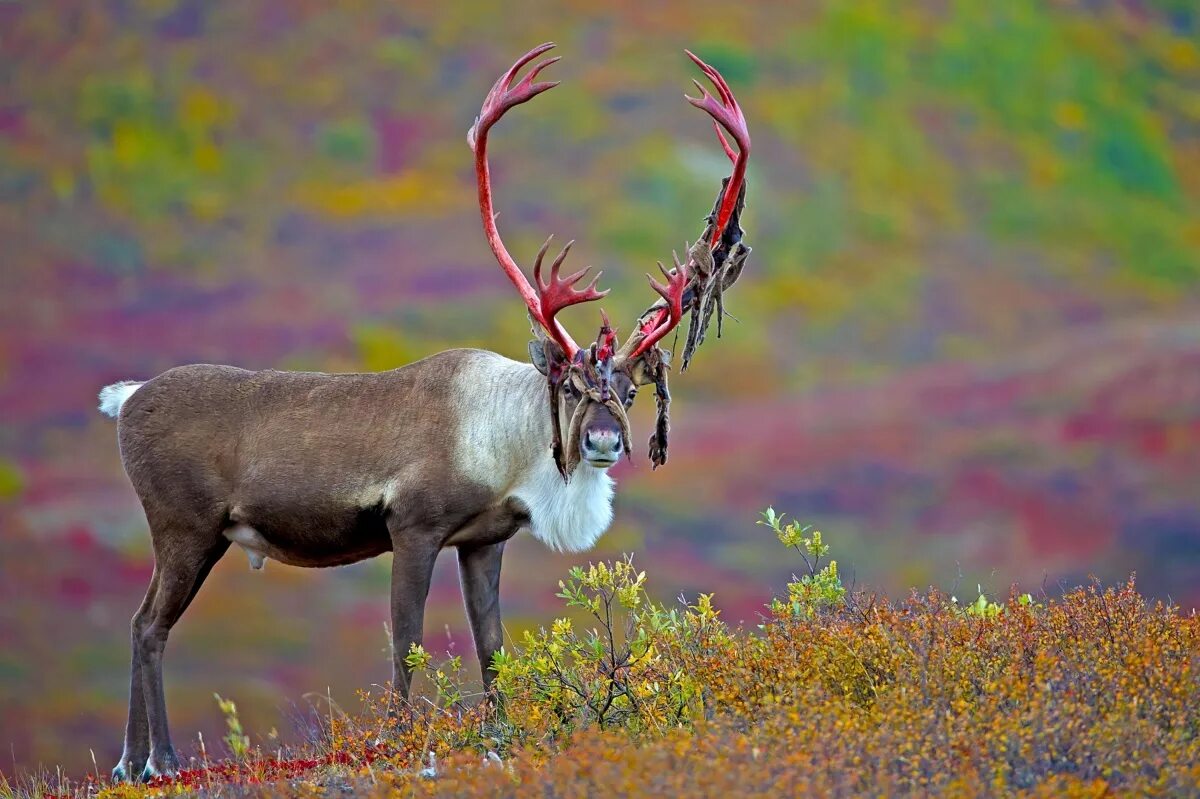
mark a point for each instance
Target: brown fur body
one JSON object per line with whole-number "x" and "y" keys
{"x": 324, "y": 470}
{"x": 319, "y": 464}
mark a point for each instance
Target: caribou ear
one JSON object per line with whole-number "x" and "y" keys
{"x": 537, "y": 354}
{"x": 545, "y": 355}
{"x": 646, "y": 368}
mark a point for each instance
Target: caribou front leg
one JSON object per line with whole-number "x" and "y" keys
{"x": 412, "y": 568}
{"x": 479, "y": 573}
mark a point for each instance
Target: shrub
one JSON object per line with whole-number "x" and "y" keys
{"x": 633, "y": 670}
{"x": 846, "y": 692}
{"x": 236, "y": 739}
{"x": 820, "y": 589}
{"x": 836, "y": 693}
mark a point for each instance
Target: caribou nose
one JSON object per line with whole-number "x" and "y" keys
{"x": 602, "y": 445}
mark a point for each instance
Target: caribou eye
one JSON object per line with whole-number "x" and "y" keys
{"x": 629, "y": 397}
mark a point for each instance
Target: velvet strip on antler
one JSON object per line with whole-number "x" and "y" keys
{"x": 717, "y": 268}
{"x": 658, "y": 368}
{"x": 713, "y": 271}
{"x": 556, "y": 371}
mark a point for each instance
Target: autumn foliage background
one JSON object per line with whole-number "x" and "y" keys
{"x": 968, "y": 337}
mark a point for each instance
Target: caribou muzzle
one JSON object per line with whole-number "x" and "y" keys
{"x": 601, "y": 447}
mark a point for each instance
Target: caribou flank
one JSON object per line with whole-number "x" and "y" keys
{"x": 461, "y": 449}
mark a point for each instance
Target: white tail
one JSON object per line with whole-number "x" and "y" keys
{"x": 114, "y": 396}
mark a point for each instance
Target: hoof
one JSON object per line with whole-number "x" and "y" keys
{"x": 127, "y": 771}
{"x": 164, "y": 766}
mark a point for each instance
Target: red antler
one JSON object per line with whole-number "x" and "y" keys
{"x": 668, "y": 318}
{"x": 559, "y": 293}
{"x": 729, "y": 114}
{"x": 549, "y": 298}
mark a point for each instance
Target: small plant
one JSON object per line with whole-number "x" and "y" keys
{"x": 984, "y": 608}
{"x": 236, "y": 739}
{"x": 634, "y": 670}
{"x": 820, "y": 589}
{"x": 447, "y": 677}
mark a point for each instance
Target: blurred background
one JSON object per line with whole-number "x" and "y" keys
{"x": 969, "y": 338}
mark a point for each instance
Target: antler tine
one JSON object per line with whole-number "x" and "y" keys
{"x": 560, "y": 292}
{"x": 606, "y": 339}
{"x": 548, "y": 299}
{"x": 502, "y": 97}
{"x": 729, "y": 153}
{"x": 677, "y": 282}
{"x": 726, "y": 114}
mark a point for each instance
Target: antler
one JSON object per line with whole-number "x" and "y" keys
{"x": 714, "y": 266}
{"x": 547, "y": 299}
{"x": 672, "y": 293}
{"x": 729, "y": 116}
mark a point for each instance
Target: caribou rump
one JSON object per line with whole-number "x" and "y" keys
{"x": 461, "y": 449}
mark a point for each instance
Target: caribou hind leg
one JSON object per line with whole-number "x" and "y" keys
{"x": 184, "y": 554}
{"x": 137, "y": 732}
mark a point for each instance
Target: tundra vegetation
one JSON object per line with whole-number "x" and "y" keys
{"x": 838, "y": 691}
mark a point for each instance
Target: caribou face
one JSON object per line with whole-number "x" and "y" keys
{"x": 588, "y": 398}
{"x": 602, "y": 433}
{"x": 601, "y": 440}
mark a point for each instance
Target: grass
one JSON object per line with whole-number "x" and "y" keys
{"x": 837, "y": 692}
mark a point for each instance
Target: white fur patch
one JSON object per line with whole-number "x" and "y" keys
{"x": 504, "y": 443}
{"x": 567, "y": 517}
{"x": 114, "y": 396}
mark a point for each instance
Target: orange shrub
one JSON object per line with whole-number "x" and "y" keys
{"x": 838, "y": 693}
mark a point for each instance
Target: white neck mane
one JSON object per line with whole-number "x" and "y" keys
{"x": 504, "y": 443}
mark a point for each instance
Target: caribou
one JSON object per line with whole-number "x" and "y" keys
{"x": 461, "y": 449}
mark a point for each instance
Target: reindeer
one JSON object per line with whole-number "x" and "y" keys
{"x": 461, "y": 449}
